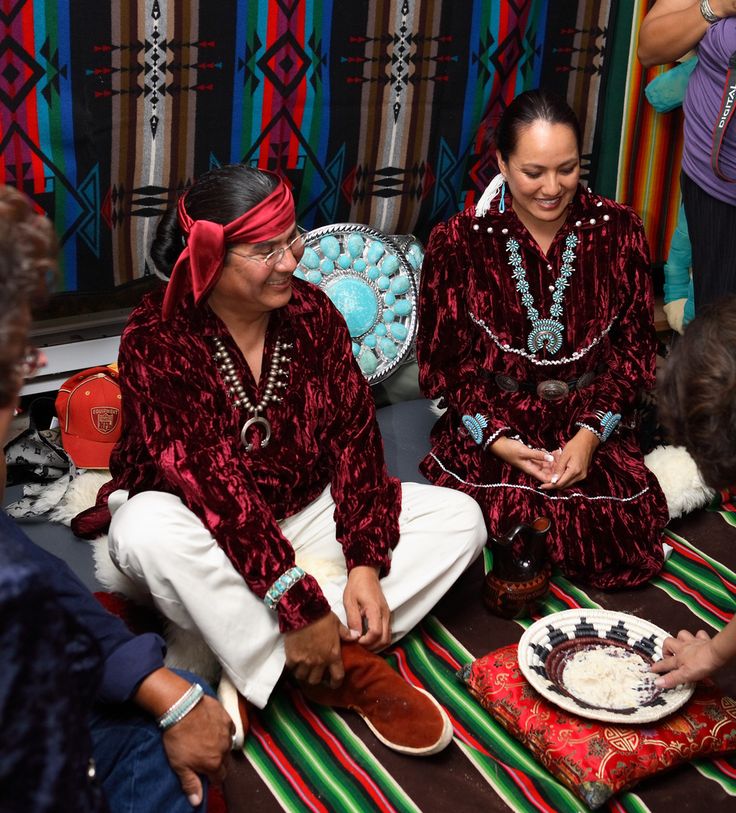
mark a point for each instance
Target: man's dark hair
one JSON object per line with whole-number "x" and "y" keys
{"x": 220, "y": 195}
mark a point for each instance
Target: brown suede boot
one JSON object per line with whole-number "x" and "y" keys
{"x": 404, "y": 718}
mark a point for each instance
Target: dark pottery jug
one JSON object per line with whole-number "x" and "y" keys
{"x": 521, "y": 570}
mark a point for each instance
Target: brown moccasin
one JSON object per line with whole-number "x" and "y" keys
{"x": 404, "y": 718}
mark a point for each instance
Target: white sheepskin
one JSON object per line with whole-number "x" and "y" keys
{"x": 679, "y": 478}
{"x": 79, "y": 494}
{"x": 435, "y": 407}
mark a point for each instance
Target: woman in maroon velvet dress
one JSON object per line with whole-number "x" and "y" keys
{"x": 249, "y": 494}
{"x": 536, "y": 332}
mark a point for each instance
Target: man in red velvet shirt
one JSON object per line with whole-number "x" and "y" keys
{"x": 250, "y": 493}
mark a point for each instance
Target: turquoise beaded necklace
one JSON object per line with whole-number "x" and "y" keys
{"x": 545, "y": 333}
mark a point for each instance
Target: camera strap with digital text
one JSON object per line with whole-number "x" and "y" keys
{"x": 724, "y": 118}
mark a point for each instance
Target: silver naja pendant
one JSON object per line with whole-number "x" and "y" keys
{"x": 547, "y": 333}
{"x": 256, "y": 420}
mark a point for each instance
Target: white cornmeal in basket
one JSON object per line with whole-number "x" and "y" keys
{"x": 608, "y": 677}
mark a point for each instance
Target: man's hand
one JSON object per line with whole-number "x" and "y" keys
{"x": 367, "y": 611}
{"x": 197, "y": 744}
{"x": 315, "y": 649}
{"x": 537, "y": 463}
{"x": 572, "y": 462}
{"x": 687, "y": 658}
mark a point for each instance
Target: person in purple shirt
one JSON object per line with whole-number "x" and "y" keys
{"x": 670, "y": 30}
{"x": 91, "y": 719}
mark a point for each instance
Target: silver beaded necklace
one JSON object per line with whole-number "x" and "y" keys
{"x": 276, "y": 373}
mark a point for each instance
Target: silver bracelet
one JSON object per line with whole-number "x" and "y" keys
{"x": 708, "y": 14}
{"x": 284, "y": 582}
{"x": 590, "y": 429}
{"x": 181, "y": 708}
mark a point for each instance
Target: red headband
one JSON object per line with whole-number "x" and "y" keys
{"x": 200, "y": 264}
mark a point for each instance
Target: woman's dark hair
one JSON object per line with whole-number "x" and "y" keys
{"x": 525, "y": 109}
{"x": 697, "y": 392}
{"x": 220, "y": 195}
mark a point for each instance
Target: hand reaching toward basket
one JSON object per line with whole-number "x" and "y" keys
{"x": 689, "y": 657}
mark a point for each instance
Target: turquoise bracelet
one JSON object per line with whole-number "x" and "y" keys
{"x": 284, "y": 582}
{"x": 476, "y": 426}
{"x": 182, "y": 707}
{"x": 609, "y": 421}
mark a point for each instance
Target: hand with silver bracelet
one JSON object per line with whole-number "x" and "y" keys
{"x": 196, "y": 744}
{"x": 723, "y": 8}
{"x": 672, "y": 28}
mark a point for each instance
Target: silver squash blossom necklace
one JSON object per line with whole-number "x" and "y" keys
{"x": 545, "y": 333}
{"x": 277, "y": 373}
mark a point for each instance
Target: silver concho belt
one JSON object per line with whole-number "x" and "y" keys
{"x": 551, "y": 389}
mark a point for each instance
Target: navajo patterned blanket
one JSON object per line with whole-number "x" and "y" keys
{"x": 300, "y": 757}
{"x": 377, "y": 111}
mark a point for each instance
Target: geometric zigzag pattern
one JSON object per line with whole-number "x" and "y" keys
{"x": 378, "y": 112}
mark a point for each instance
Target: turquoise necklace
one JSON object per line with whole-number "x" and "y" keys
{"x": 545, "y": 333}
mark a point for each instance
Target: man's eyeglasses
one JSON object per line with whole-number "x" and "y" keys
{"x": 273, "y": 258}
{"x": 32, "y": 361}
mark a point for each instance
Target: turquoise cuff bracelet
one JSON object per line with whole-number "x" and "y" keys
{"x": 609, "y": 421}
{"x": 284, "y": 582}
{"x": 476, "y": 425}
{"x": 181, "y": 708}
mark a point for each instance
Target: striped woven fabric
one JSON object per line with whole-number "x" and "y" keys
{"x": 377, "y": 111}
{"x": 300, "y": 757}
{"x": 638, "y": 150}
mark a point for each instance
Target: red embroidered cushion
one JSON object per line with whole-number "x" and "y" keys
{"x": 593, "y": 759}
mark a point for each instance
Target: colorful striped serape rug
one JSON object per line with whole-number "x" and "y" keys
{"x": 300, "y": 757}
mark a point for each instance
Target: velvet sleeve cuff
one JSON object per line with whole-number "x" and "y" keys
{"x": 382, "y": 562}
{"x": 128, "y": 665}
{"x": 301, "y": 605}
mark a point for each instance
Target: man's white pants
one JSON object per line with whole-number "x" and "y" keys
{"x": 158, "y": 542}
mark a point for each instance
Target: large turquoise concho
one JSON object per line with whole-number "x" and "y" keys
{"x": 546, "y": 334}
{"x": 372, "y": 280}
